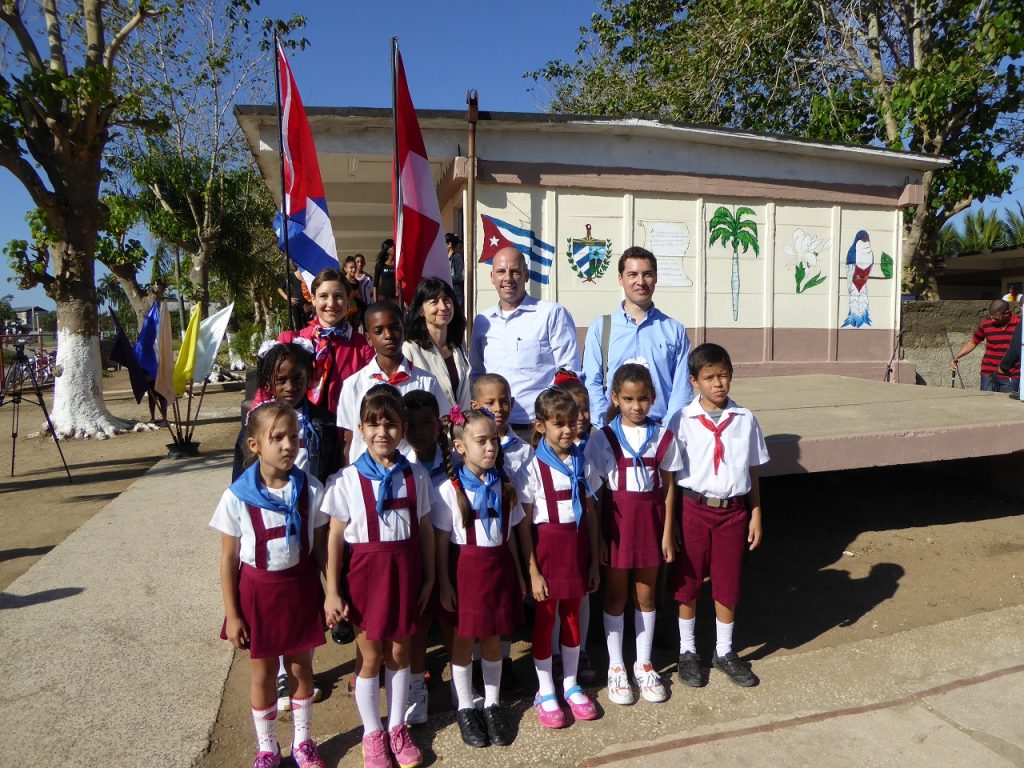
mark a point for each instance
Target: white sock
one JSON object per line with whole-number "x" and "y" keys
{"x": 281, "y": 668}
{"x": 584, "y": 621}
{"x": 545, "y": 683}
{"x": 570, "y": 663}
{"x": 492, "y": 682}
{"x": 723, "y": 638}
{"x": 613, "y": 637}
{"x": 265, "y": 721}
{"x": 506, "y": 649}
{"x": 302, "y": 717}
{"x": 643, "y": 623}
{"x": 368, "y": 703}
{"x": 463, "y": 679}
{"x": 686, "y": 641}
{"x": 396, "y": 685}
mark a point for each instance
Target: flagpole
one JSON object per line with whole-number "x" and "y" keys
{"x": 284, "y": 193}
{"x": 395, "y": 180}
{"x": 469, "y": 252}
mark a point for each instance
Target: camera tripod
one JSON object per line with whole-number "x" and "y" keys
{"x": 18, "y": 376}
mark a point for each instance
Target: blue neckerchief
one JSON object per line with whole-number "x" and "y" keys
{"x": 640, "y": 471}
{"x": 486, "y": 495}
{"x": 577, "y": 476}
{"x": 250, "y": 489}
{"x": 312, "y": 438}
{"x": 371, "y": 470}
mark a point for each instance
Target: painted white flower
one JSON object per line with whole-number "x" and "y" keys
{"x": 805, "y": 249}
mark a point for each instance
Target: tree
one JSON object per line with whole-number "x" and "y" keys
{"x": 939, "y": 78}
{"x": 57, "y": 116}
{"x": 734, "y": 231}
{"x": 193, "y": 74}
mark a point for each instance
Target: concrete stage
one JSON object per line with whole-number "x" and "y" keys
{"x": 818, "y": 423}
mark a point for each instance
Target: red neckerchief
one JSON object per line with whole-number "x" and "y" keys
{"x": 717, "y": 431}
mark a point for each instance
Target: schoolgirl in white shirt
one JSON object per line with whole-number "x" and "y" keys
{"x": 272, "y": 537}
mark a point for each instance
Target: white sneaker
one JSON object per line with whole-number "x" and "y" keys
{"x": 416, "y": 712}
{"x": 649, "y": 682}
{"x": 619, "y": 689}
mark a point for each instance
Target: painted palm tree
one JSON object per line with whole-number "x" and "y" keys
{"x": 735, "y": 232}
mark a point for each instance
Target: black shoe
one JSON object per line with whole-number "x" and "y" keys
{"x": 689, "y": 671}
{"x": 343, "y": 634}
{"x": 510, "y": 682}
{"x": 498, "y": 729}
{"x": 737, "y": 671}
{"x": 471, "y": 726}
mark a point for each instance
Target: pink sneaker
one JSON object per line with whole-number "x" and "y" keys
{"x": 549, "y": 718}
{"x": 306, "y": 756}
{"x": 584, "y": 710}
{"x": 267, "y": 759}
{"x": 406, "y": 753}
{"x": 375, "y": 751}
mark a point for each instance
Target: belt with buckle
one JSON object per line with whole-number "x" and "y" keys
{"x": 710, "y": 501}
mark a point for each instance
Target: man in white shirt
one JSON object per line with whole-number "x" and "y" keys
{"x": 522, "y": 338}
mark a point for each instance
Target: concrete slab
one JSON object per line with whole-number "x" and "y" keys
{"x": 109, "y": 643}
{"x": 820, "y": 423}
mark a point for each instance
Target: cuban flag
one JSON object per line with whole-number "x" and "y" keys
{"x": 500, "y": 234}
{"x": 310, "y": 236}
{"x": 419, "y": 241}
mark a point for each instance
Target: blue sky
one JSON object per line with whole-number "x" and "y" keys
{"x": 447, "y": 48}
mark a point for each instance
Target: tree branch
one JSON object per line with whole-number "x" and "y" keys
{"x": 10, "y": 14}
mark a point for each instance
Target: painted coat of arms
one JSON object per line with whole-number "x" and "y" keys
{"x": 589, "y": 257}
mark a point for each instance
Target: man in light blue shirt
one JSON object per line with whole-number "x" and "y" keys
{"x": 524, "y": 339}
{"x": 638, "y": 333}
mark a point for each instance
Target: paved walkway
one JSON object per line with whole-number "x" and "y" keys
{"x": 110, "y": 657}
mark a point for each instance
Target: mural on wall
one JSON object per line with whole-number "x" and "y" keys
{"x": 803, "y": 257}
{"x": 500, "y": 234}
{"x": 589, "y": 257}
{"x": 669, "y": 242}
{"x": 860, "y": 258}
{"x": 734, "y": 231}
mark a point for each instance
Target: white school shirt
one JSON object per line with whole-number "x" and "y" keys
{"x": 744, "y": 448}
{"x": 603, "y": 458}
{"x": 343, "y": 499}
{"x": 355, "y": 387}
{"x": 231, "y": 517}
{"x": 532, "y": 491}
{"x": 517, "y": 454}
{"x": 447, "y": 516}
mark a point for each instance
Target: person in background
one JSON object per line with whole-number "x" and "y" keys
{"x": 458, "y": 267}
{"x": 996, "y": 331}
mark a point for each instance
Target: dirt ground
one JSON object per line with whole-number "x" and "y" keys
{"x": 847, "y": 556}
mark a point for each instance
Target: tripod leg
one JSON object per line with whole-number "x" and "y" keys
{"x": 49, "y": 423}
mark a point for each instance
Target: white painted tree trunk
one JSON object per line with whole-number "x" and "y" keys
{"x": 78, "y": 408}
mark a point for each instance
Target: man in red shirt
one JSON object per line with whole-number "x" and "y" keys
{"x": 996, "y": 331}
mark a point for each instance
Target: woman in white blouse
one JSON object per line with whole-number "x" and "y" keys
{"x": 434, "y": 329}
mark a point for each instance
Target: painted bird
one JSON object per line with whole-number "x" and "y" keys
{"x": 859, "y": 260}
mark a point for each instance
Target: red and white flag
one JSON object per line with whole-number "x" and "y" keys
{"x": 419, "y": 242}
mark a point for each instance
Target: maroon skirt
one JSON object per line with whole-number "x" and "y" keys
{"x": 487, "y": 589}
{"x": 284, "y": 609}
{"x": 383, "y": 584}
{"x": 563, "y": 557}
{"x": 633, "y": 527}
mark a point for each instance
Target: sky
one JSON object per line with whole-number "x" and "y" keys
{"x": 447, "y": 48}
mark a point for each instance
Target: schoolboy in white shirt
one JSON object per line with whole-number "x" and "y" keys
{"x": 721, "y": 511}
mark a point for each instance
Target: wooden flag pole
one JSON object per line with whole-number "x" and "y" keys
{"x": 469, "y": 251}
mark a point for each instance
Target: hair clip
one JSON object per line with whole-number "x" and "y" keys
{"x": 563, "y": 375}
{"x": 456, "y": 416}
{"x": 486, "y": 412}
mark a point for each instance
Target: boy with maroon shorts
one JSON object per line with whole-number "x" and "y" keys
{"x": 721, "y": 511}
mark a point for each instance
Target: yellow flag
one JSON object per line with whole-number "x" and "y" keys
{"x": 187, "y": 354}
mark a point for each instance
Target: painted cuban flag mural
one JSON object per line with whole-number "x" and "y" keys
{"x": 498, "y": 234}
{"x": 310, "y": 236}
